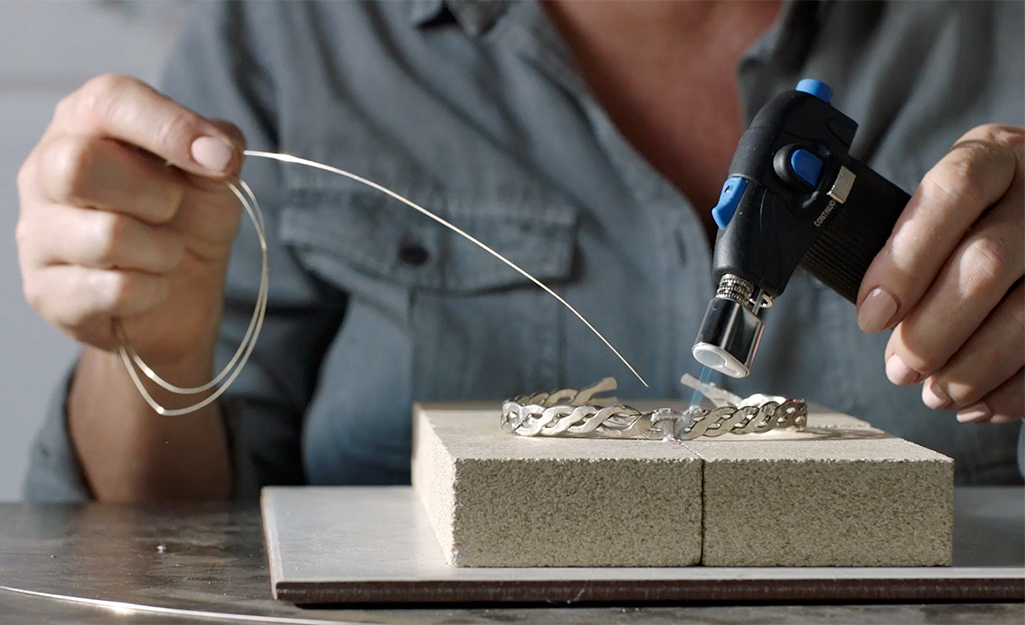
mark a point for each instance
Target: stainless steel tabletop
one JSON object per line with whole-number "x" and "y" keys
{"x": 97, "y": 563}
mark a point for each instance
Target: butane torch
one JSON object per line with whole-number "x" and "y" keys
{"x": 794, "y": 197}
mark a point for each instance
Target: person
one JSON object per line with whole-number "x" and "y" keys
{"x": 587, "y": 141}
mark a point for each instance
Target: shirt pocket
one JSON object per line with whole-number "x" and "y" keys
{"x": 475, "y": 327}
{"x": 388, "y": 241}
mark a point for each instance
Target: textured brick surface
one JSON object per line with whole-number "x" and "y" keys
{"x": 495, "y": 499}
{"x": 840, "y": 494}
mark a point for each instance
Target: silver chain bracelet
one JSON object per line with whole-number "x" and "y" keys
{"x": 572, "y": 413}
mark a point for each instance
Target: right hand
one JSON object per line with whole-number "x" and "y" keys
{"x": 107, "y": 230}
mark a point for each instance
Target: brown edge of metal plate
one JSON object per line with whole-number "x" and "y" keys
{"x": 800, "y": 590}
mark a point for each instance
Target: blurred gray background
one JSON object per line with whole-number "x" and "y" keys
{"x": 48, "y": 49}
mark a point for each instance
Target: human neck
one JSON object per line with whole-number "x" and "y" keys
{"x": 655, "y": 28}
{"x": 665, "y": 72}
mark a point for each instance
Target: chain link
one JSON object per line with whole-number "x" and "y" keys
{"x": 572, "y": 413}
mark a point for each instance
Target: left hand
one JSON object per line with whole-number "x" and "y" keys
{"x": 949, "y": 281}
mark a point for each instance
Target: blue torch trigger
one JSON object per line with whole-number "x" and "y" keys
{"x": 729, "y": 200}
{"x": 806, "y": 166}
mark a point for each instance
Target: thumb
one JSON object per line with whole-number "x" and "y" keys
{"x": 212, "y": 152}
{"x": 235, "y": 136}
{"x": 130, "y": 111}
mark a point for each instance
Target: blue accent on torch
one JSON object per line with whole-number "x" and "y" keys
{"x": 729, "y": 200}
{"x": 816, "y": 88}
{"x": 806, "y": 166}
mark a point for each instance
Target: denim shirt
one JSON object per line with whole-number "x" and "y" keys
{"x": 475, "y": 110}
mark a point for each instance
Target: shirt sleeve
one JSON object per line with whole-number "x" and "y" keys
{"x": 216, "y": 70}
{"x": 1021, "y": 451}
{"x": 54, "y": 473}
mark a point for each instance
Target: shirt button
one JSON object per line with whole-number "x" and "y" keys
{"x": 413, "y": 254}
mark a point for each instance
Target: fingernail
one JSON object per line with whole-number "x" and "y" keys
{"x": 974, "y": 413}
{"x": 935, "y": 397}
{"x": 899, "y": 373}
{"x": 1000, "y": 419}
{"x": 875, "y": 312}
{"x": 212, "y": 153}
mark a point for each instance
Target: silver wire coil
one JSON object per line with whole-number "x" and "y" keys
{"x": 572, "y": 413}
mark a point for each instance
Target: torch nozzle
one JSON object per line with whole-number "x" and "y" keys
{"x": 731, "y": 329}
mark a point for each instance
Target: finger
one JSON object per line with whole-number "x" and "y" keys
{"x": 976, "y": 278}
{"x": 103, "y": 240}
{"x": 1003, "y": 405}
{"x": 70, "y": 296}
{"x": 101, "y": 173}
{"x": 216, "y": 185}
{"x": 128, "y": 110}
{"x": 238, "y": 139}
{"x": 973, "y": 176}
{"x": 990, "y": 357}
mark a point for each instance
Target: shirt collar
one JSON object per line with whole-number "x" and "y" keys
{"x": 788, "y": 40}
{"x": 475, "y": 16}
{"x": 421, "y": 12}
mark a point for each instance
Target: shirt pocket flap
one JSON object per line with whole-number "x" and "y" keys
{"x": 380, "y": 236}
